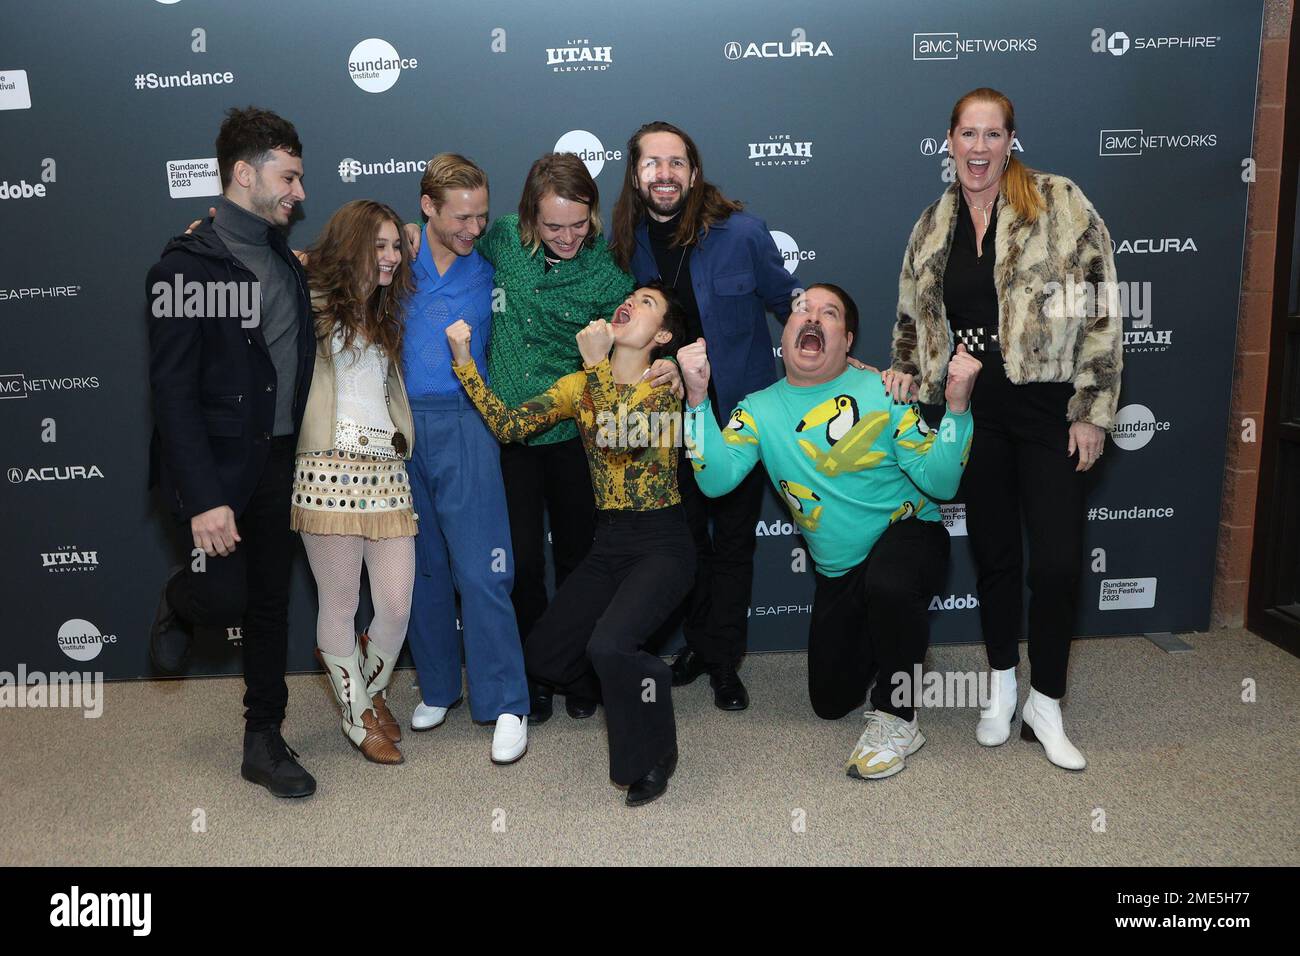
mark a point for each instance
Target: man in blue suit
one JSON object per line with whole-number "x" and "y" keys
{"x": 671, "y": 224}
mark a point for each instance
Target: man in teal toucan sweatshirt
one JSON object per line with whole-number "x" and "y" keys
{"x": 860, "y": 475}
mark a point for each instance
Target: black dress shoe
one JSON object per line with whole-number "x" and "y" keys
{"x": 541, "y": 705}
{"x": 653, "y": 784}
{"x": 728, "y": 691}
{"x": 686, "y": 667}
{"x": 170, "y": 639}
{"x": 269, "y": 762}
{"x": 579, "y": 708}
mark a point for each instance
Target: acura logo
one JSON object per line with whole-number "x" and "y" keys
{"x": 929, "y": 147}
{"x": 16, "y": 475}
{"x": 731, "y": 51}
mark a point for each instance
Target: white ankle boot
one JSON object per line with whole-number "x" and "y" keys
{"x": 994, "y": 725}
{"x": 1041, "y": 720}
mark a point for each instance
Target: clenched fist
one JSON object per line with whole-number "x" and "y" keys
{"x": 694, "y": 360}
{"x": 594, "y": 342}
{"x": 458, "y": 336}
{"x": 962, "y": 370}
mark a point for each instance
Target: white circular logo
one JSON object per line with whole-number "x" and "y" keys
{"x": 1134, "y": 427}
{"x": 586, "y": 147}
{"x": 929, "y": 146}
{"x": 731, "y": 51}
{"x": 80, "y": 640}
{"x": 374, "y": 65}
{"x": 789, "y": 249}
{"x": 1118, "y": 43}
{"x": 16, "y": 475}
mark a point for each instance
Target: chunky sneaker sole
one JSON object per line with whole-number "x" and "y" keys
{"x": 881, "y": 771}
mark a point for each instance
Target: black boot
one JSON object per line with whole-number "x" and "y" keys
{"x": 653, "y": 784}
{"x": 269, "y": 762}
{"x": 170, "y": 639}
{"x": 686, "y": 667}
{"x": 728, "y": 691}
{"x": 579, "y": 708}
{"x": 541, "y": 704}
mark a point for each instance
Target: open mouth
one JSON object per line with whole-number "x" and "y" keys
{"x": 622, "y": 316}
{"x": 811, "y": 339}
{"x": 387, "y": 270}
{"x": 665, "y": 190}
{"x": 978, "y": 166}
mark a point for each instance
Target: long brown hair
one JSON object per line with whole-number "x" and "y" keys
{"x": 1017, "y": 183}
{"x": 563, "y": 175}
{"x": 341, "y": 269}
{"x": 705, "y": 203}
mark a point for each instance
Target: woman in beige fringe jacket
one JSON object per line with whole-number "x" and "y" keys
{"x": 351, "y": 498}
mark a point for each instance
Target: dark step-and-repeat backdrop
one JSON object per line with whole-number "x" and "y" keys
{"x": 826, "y": 118}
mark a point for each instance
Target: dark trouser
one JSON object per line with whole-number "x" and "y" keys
{"x": 717, "y": 616}
{"x": 1019, "y": 466}
{"x": 874, "y": 619}
{"x": 539, "y": 479}
{"x": 590, "y": 640}
{"x": 251, "y": 584}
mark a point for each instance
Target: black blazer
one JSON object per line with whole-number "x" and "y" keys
{"x": 214, "y": 383}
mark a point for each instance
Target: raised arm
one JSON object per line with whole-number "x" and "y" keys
{"x": 720, "y": 463}
{"x": 510, "y": 424}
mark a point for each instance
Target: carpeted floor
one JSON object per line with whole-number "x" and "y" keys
{"x": 1181, "y": 771}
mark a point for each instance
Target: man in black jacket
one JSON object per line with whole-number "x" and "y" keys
{"x": 230, "y": 360}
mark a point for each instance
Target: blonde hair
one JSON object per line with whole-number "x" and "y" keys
{"x": 449, "y": 171}
{"x": 564, "y": 175}
{"x": 1017, "y": 183}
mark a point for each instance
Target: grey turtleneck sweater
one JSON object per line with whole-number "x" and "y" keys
{"x": 246, "y": 235}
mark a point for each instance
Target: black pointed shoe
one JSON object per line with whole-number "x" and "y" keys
{"x": 269, "y": 762}
{"x": 653, "y": 784}
{"x": 579, "y": 708}
{"x": 686, "y": 667}
{"x": 728, "y": 691}
{"x": 541, "y": 705}
{"x": 170, "y": 640}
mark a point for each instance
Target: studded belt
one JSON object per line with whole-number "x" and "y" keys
{"x": 977, "y": 340}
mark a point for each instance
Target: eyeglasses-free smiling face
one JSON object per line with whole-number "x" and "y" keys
{"x": 388, "y": 252}
{"x": 563, "y": 224}
{"x": 979, "y": 145}
{"x": 461, "y": 219}
{"x": 663, "y": 176}
{"x": 276, "y": 188}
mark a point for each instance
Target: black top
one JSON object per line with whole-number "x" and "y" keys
{"x": 674, "y": 264}
{"x": 969, "y": 294}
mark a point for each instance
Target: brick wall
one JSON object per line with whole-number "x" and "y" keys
{"x": 1249, "y": 380}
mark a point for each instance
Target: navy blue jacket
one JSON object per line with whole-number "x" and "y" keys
{"x": 738, "y": 276}
{"x": 214, "y": 383}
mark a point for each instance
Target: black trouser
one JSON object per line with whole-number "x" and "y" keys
{"x": 590, "y": 640}
{"x": 252, "y": 585}
{"x": 717, "y": 616}
{"x": 546, "y": 478}
{"x": 874, "y": 620}
{"x": 1019, "y": 467}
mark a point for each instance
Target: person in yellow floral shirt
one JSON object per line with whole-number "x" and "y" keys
{"x": 591, "y": 639}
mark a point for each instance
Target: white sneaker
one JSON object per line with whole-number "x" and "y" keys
{"x": 1041, "y": 720}
{"x": 510, "y": 739}
{"x": 426, "y": 717}
{"x": 994, "y": 725}
{"x": 880, "y": 750}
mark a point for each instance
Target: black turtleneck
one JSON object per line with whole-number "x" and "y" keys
{"x": 675, "y": 270}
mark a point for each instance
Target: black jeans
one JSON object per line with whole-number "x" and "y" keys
{"x": 717, "y": 616}
{"x": 1019, "y": 468}
{"x": 590, "y": 642}
{"x": 874, "y": 620}
{"x": 252, "y": 585}
{"x": 546, "y": 478}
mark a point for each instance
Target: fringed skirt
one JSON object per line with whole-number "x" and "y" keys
{"x": 338, "y": 492}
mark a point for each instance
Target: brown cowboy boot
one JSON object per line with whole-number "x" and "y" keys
{"x": 377, "y": 666}
{"x": 360, "y": 725}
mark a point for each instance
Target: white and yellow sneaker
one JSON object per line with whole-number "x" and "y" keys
{"x": 883, "y": 745}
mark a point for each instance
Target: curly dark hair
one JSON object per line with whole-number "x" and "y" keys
{"x": 250, "y": 135}
{"x": 674, "y": 320}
